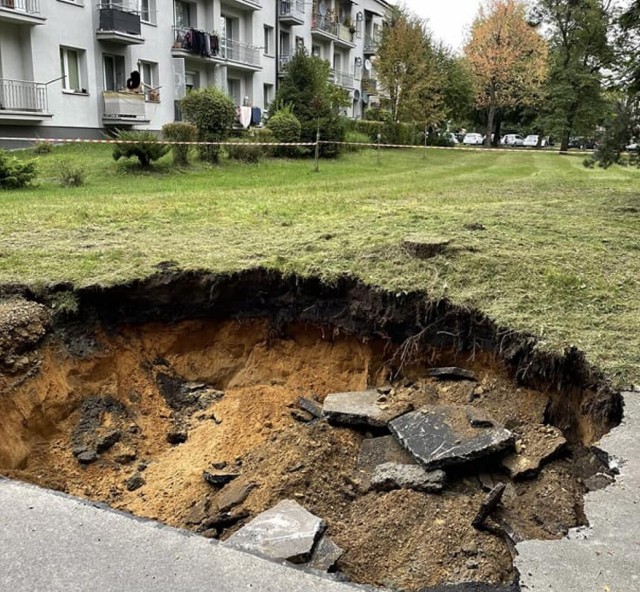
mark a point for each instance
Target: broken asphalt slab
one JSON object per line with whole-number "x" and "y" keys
{"x": 55, "y": 543}
{"x": 286, "y": 531}
{"x": 605, "y": 555}
{"x": 390, "y": 476}
{"x": 441, "y": 436}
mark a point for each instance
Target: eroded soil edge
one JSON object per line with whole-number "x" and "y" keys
{"x": 164, "y": 378}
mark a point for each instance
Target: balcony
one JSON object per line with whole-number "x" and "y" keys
{"x": 123, "y": 108}
{"x": 283, "y": 64}
{"x": 243, "y": 4}
{"x": 342, "y": 78}
{"x": 119, "y": 23}
{"x": 371, "y": 44}
{"x": 196, "y": 43}
{"x": 21, "y": 12}
{"x": 370, "y": 85}
{"x": 22, "y": 100}
{"x": 326, "y": 27}
{"x": 242, "y": 54}
{"x": 291, "y": 12}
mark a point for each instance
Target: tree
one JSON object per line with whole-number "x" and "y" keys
{"x": 580, "y": 53}
{"x": 457, "y": 85}
{"x": 213, "y": 113}
{"x": 314, "y": 100}
{"x": 407, "y": 67}
{"x": 507, "y": 58}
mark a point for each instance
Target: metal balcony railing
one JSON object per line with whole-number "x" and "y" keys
{"x": 28, "y": 6}
{"x": 121, "y": 17}
{"x": 342, "y": 78}
{"x": 197, "y": 42}
{"x": 23, "y": 95}
{"x": 370, "y": 85}
{"x": 345, "y": 33}
{"x": 323, "y": 23}
{"x": 242, "y": 53}
{"x": 283, "y": 62}
{"x": 292, "y": 8}
{"x": 371, "y": 43}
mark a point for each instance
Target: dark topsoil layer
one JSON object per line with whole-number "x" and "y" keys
{"x": 346, "y": 305}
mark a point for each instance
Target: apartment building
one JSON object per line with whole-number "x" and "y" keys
{"x": 64, "y": 63}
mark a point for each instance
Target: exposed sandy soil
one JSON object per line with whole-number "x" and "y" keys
{"x": 400, "y": 539}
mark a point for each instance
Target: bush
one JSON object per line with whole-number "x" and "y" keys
{"x": 146, "y": 148}
{"x": 356, "y": 138}
{"x": 213, "y": 114}
{"x": 180, "y": 132}
{"x": 71, "y": 175}
{"x": 43, "y": 148}
{"x": 245, "y": 150}
{"x": 14, "y": 173}
{"x": 285, "y": 127}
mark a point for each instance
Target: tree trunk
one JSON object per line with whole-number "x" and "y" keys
{"x": 490, "y": 118}
{"x": 496, "y": 139}
{"x": 566, "y": 133}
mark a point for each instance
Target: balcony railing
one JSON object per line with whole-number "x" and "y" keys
{"x": 119, "y": 17}
{"x": 371, "y": 43}
{"x": 342, "y": 78}
{"x": 242, "y": 53}
{"x": 370, "y": 85}
{"x": 28, "y": 6}
{"x": 323, "y": 23}
{"x": 124, "y": 106}
{"x": 197, "y": 42}
{"x": 293, "y": 9}
{"x": 22, "y": 95}
{"x": 283, "y": 62}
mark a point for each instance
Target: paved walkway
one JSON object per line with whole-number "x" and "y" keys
{"x": 606, "y": 556}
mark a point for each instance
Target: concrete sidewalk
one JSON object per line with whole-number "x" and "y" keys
{"x": 605, "y": 557}
{"x": 50, "y": 542}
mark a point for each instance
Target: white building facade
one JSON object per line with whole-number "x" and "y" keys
{"x": 64, "y": 63}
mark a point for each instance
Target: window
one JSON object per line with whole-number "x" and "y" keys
{"x": 71, "y": 69}
{"x": 182, "y": 14}
{"x": 114, "y": 72}
{"x": 148, "y": 11}
{"x": 191, "y": 80}
{"x": 267, "y": 93}
{"x": 268, "y": 40}
{"x": 149, "y": 75}
{"x": 299, "y": 44}
{"x": 234, "y": 90}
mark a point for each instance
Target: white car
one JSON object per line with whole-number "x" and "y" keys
{"x": 473, "y": 140}
{"x": 512, "y": 140}
{"x": 532, "y": 142}
{"x": 632, "y": 147}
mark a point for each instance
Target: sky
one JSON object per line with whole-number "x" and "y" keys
{"x": 449, "y": 20}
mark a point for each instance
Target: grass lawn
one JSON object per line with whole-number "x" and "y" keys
{"x": 560, "y": 255}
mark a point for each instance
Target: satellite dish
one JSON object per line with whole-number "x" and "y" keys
{"x": 367, "y": 65}
{"x": 356, "y": 95}
{"x": 322, "y": 8}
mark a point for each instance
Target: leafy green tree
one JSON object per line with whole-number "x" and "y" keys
{"x": 314, "y": 100}
{"x": 409, "y": 70}
{"x": 457, "y": 85}
{"x": 580, "y": 53}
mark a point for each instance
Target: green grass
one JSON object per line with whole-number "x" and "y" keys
{"x": 560, "y": 256}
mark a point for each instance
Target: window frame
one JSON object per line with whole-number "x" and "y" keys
{"x": 65, "y": 51}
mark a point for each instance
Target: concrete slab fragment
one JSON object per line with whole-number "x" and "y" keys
{"x": 361, "y": 408}
{"x": 441, "y": 436}
{"x": 389, "y": 476}
{"x": 325, "y": 555}
{"x": 286, "y": 531}
{"x": 451, "y": 373}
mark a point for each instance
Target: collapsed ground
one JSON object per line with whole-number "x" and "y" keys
{"x": 144, "y": 391}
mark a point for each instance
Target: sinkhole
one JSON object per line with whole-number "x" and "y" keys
{"x": 203, "y": 401}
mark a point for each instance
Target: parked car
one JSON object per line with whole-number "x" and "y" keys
{"x": 583, "y": 143}
{"x": 473, "y": 140}
{"x": 532, "y": 142}
{"x": 512, "y": 140}
{"x": 453, "y": 138}
{"x": 632, "y": 147}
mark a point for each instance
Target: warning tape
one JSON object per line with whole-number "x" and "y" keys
{"x": 306, "y": 144}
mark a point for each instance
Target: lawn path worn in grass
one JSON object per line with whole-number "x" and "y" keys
{"x": 559, "y": 256}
